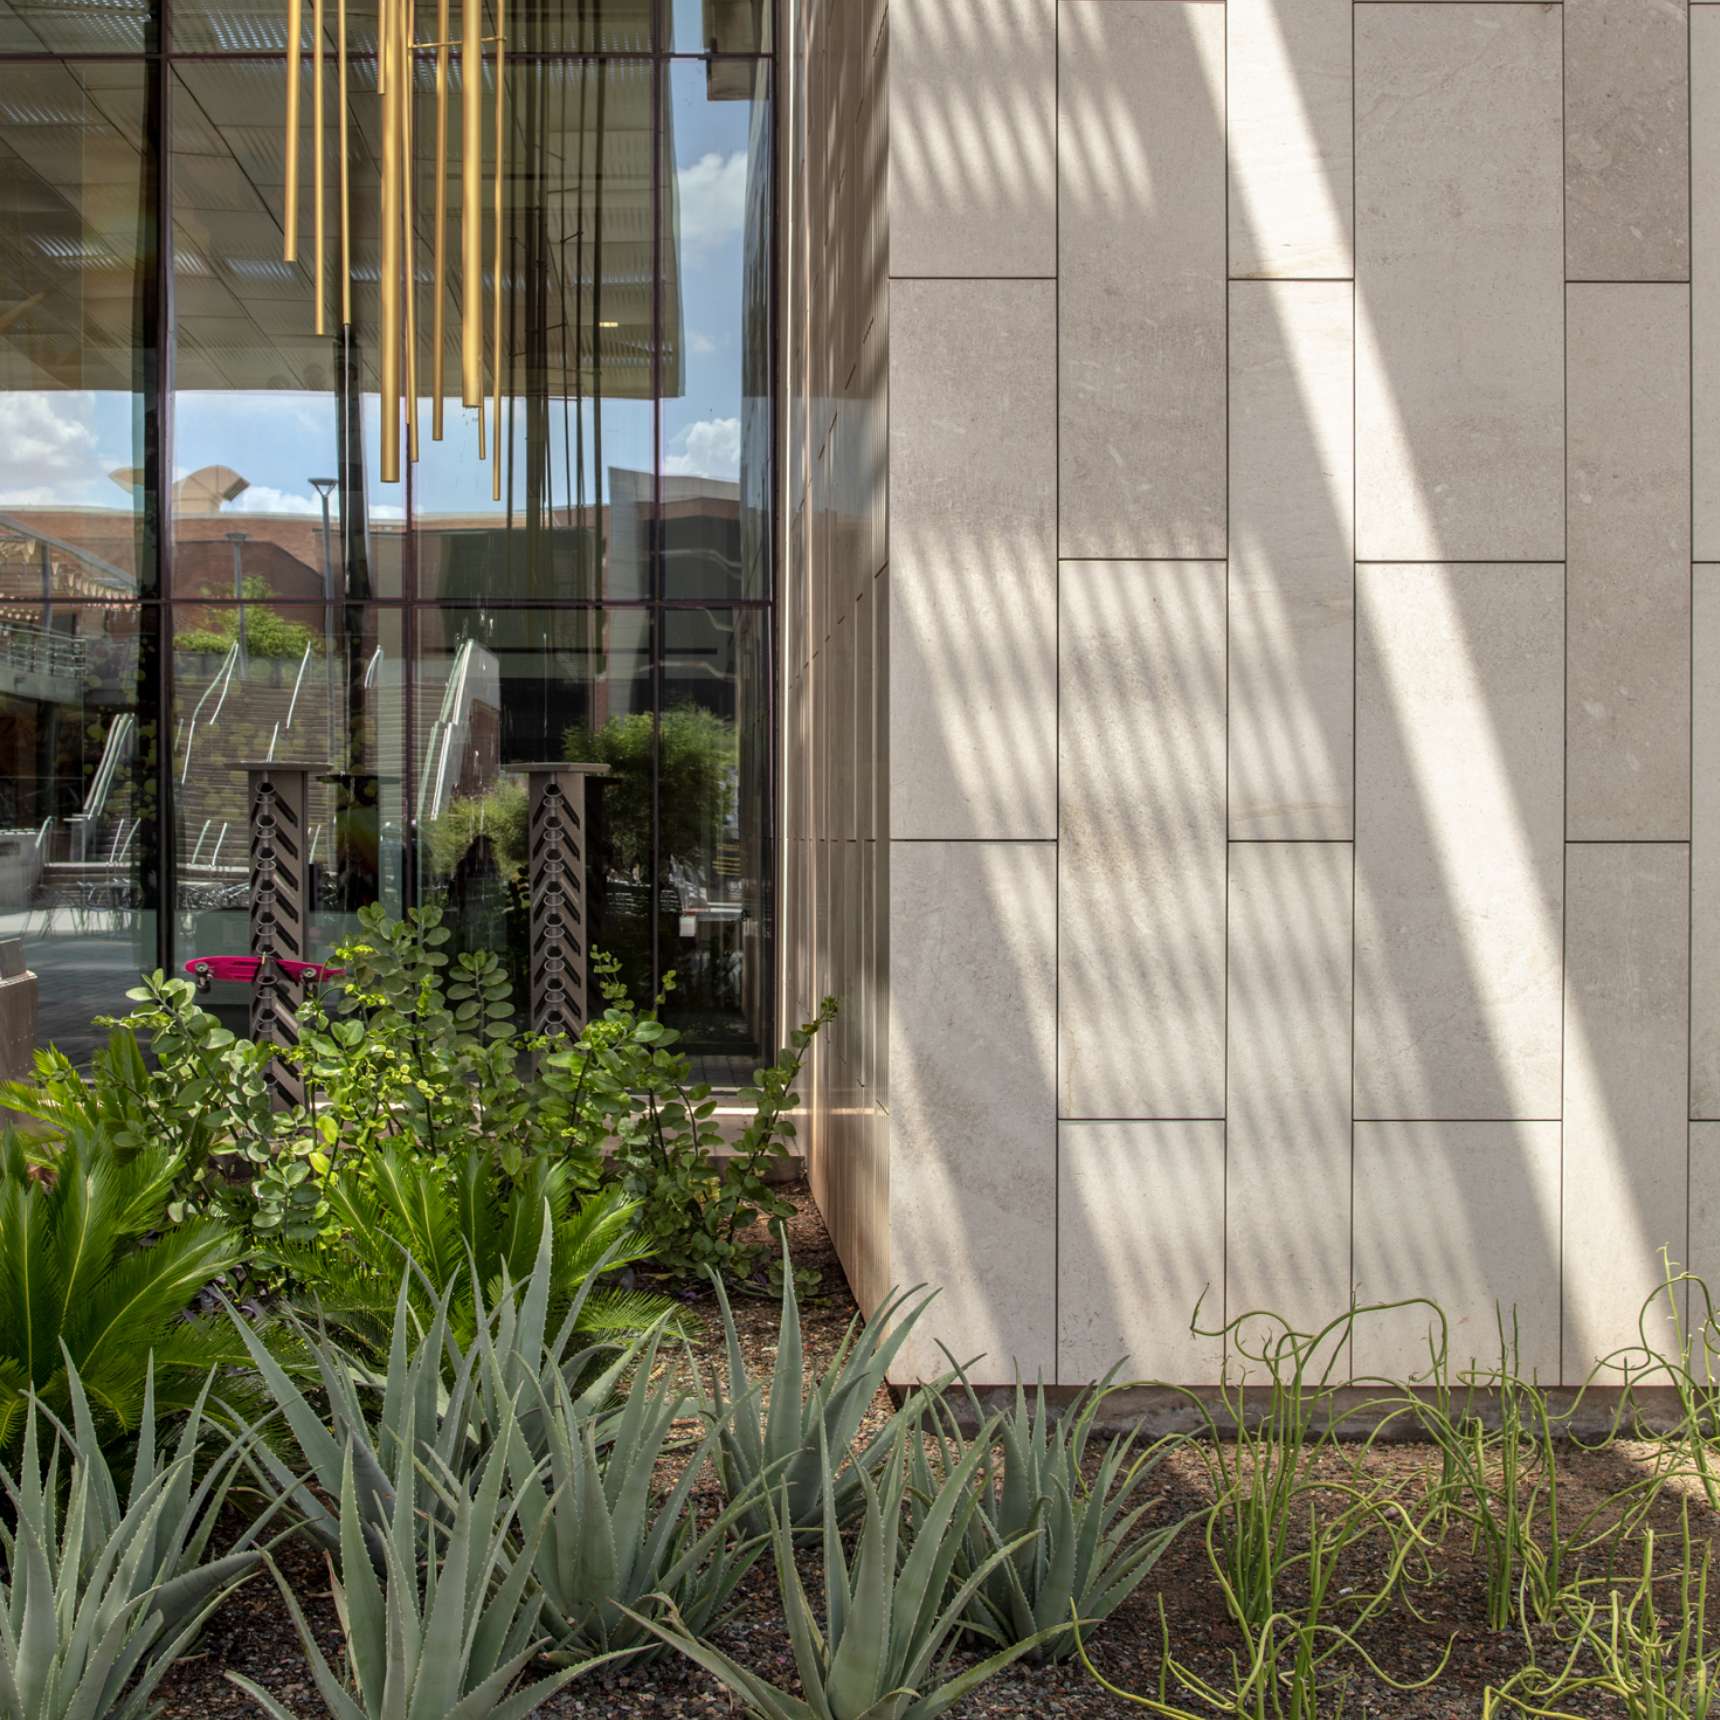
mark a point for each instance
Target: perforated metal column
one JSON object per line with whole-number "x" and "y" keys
{"x": 558, "y": 804}
{"x": 280, "y": 909}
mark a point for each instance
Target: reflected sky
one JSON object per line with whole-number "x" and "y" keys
{"x": 59, "y": 447}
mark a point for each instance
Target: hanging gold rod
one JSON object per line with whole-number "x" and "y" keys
{"x": 496, "y": 274}
{"x": 390, "y": 82}
{"x": 438, "y": 266}
{"x": 407, "y": 67}
{"x": 295, "y": 30}
{"x": 317, "y": 154}
{"x": 398, "y": 284}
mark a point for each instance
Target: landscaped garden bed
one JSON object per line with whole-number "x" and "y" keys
{"x": 468, "y": 1389}
{"x": 252, "y": 1634}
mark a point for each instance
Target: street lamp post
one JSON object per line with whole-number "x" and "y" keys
{"x": 324, "y": 487}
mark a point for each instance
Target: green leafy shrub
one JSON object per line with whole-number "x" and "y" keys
{"x": 94, "y": 1274}
{"x": 411, "y": 1049}
{"x": 267, "y": 633}
{"x": 1074, "y": 1556}
{"x": 499, "y": 814}
{"x": 169, "y": 1077}
{"x": 410, "y": 1044}
{"x": 608, "y": 1542}
{"x": 783, "y": 1444}
{"x": 892, "y": 1612}
{"x": 626, "y": 1088}
{"x": 99, "y": 1599}
{"x": 678, "y": 765}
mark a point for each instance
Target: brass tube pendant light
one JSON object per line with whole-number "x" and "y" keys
{"x": 471, "y": 210}
{"x": 439, "y": 257}
{"x": 388, "y": 77}
{"x": 318, "y": 186}
{"x": 496, "y": 274}
{"x": 408, "y": 229}
{"x": 295, "y": 30}
{"x": 397, "y": 335}
{"x": 345, "y": 195}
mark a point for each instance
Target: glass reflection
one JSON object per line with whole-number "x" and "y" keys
{"x": 78, "y": 817}
{"x": 296, "y": 684}
{"x": 71, "y": 27}
{"x": 712, "y": 860}
{"x": 722, "y": 26}
{"x": 275, "y": 427}
{"x": 410, "y": 642}
{"x": 517, "y": 686}
{"x": 572, "y": 520}
{"x": 74, "y": 329}
{"x": 534, "y": 26}
{"x": 716, "y": 424}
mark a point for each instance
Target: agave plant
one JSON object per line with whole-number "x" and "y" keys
{"x": 96, "y": 1604}
{"x": 881, "y": 1651}
{"x": 91, "y": 1270}
{"x": 606, "y": 1542}
{"x": 776, "y": 1445}
{"x": 1074, "y": 1556}
{"x": 449, "y": 1641}
{"x": 464, "y": 1226}
{"x": 195, "y": 1481}
{"x": 454, "y": 1399}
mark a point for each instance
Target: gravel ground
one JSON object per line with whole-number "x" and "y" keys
{"x": 253, "y": 1635}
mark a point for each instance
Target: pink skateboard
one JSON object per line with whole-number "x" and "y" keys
{"x": 243, "y": 970}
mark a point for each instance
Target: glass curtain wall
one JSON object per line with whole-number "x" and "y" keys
{"x": 201, "y": 565}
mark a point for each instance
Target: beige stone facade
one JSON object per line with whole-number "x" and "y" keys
{"x": 1251, "y": 689}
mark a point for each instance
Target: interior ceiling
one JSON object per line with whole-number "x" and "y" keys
{"x": 71, "y": 182}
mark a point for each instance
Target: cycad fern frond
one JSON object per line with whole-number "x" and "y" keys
{"x": 626, "y": 1313}
{"x": 605, "y": 1225}
{"x": 451, "y": 1221}
{"x": 90, "y": 1268}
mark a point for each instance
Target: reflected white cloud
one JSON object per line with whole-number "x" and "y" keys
{"x": 50, "y": 448}
{"x": 709, "y": 449}
{"x": 713, "y": 199}
{"x": 266, "y": 499}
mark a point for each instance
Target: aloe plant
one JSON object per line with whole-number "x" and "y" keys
{"x": 606, "y": 1542}
{"x": 445, "y": 1638}
{"x": 194, "y": 1482}
{"x": 779, "y": 1443}
{"x": 881, "y": 1650}
{"x": 1074, "y": 1556}
{"x": 454, "y": 1399}
{"x": 98, "y": 1602}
